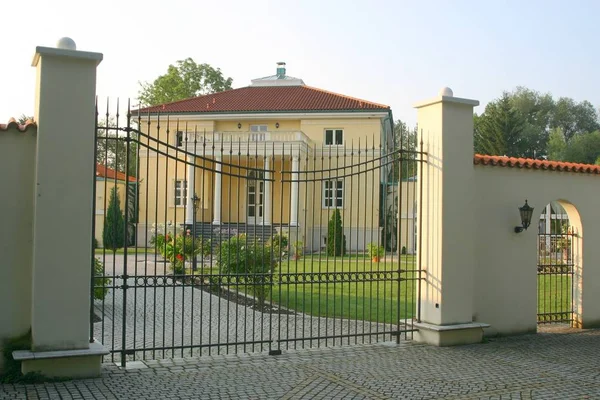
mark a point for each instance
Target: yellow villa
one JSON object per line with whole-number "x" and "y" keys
{"x": 275, "y": 156}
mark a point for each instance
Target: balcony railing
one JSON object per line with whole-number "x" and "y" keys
{"x": 244, "y": 137}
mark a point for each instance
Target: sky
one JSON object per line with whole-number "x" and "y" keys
{"x": 391, "y": 52}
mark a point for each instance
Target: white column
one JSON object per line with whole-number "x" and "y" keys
{"x": 191, "y": 179}
{"x": 294, "y": 194}
{"x": 60, "y": 312}
{"x": 446, "y": 292}
{"x": 217, "y": 196}
{"x": 267, "y": 199}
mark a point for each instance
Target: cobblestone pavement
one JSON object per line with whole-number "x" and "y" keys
{"x": 551, "y": 365}
{"x": 167, "y": 317}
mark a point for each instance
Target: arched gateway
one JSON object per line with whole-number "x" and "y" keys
{"x": 559, "y": 264}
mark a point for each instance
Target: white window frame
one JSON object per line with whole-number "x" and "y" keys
{"x": 333, "y": 137}
{"x": 334, "y": 199}
{"x": 258, "y": 132}
{"x": 177, "y": 200}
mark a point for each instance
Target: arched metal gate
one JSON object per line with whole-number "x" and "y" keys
{"x": 229, "y": 243}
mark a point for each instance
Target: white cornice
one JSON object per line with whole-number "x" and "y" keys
{"x": 446, "y": 99}
{"x": 263, "y": 116}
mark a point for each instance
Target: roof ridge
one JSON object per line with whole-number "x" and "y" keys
{"x": 345, "y": 96}
{"x": 12, "y": 123}
{"x": 189, "y": 98}
{"x": 116, "y": 174}
{"x": 531, "y": 163}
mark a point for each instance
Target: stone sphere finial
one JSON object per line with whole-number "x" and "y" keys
{"x": 447, "y": 92}
{"x": 66, "y": 43}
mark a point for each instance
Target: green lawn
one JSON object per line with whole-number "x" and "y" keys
{"x": 371, "y": 301}
{"x": 554, "y": 293}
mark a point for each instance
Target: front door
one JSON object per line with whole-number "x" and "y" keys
{"x": 256, "y": 195}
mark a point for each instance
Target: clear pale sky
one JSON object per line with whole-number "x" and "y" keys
{"x": 390, "y": 52}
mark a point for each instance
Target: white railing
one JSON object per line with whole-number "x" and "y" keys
{"x": 245, "y": 136}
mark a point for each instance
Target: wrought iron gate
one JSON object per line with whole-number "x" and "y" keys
{"x": 556, "y": 271}
{"x": 332, "y": 261}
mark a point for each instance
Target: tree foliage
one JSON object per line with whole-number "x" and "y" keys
{"x": 183, "y": 80}
{"x": 336, "y": 240}
{"x": 405, "y": 139}
{"x": 498, "y": 131}
{"x": 583, "y": 148}
{"x": 24, "y": 118}
{"x": 539, "y": 118}
{"x": 111, "y": 148}
{"x": 113, "y": 234}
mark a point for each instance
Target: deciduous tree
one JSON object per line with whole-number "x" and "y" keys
{"x": 183, "y": 80}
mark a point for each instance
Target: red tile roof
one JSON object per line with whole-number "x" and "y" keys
{"x": 109, "y": 173}
{"x": 530, "y": 163}
{"x": 268, "y": 99}
{"x": 12, "y": 123}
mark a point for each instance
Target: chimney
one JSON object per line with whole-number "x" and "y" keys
{"x": 281, "y": 70}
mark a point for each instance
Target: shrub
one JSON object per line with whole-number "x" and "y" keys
{"x": 279, "y": 242}
{"x": 403, "y": 249}
{"x": 180, "y": 247}
{"x": 375, "y": 250}
{"x": 336, "y": 240}
{"x": 250, "y": 260}
{"x": 298, "y": 249}
{"x": 113, "y": 234}
{"x": 100, "y": 282}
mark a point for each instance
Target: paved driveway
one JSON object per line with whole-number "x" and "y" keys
{"x": 543, "y": 366}
{"x": 167, "y": 317}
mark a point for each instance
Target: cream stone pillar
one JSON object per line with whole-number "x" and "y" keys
{"x": 191, "y": 179}
{"x": 62, "y": 224}
{"x": 217, "y": 196}
{"x": 267, "y": 211}
{"x": 294, "y": 194}
{"x": 447, "y": 254}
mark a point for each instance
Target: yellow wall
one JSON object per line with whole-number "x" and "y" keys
{"x": 364, "y": 129}
{"x": 157, "y": 189}
{"x": 232, "y": 126}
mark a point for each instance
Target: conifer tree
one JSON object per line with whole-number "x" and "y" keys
{"x": 113, "y": 235}
{"x": 336, "y": 241}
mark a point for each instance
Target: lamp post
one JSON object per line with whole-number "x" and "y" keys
{"x": 196, "y": 201}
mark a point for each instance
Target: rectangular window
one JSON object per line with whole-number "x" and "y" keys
{"x": 333, "y": 194}
{"x": 334, "y": 137}
{"x": 180, "y": 193}
{"x": 179, "y": 138}
{"x": 258, "y": 128}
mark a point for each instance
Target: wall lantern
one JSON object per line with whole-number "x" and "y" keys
{"x": 239, "y": 126}
{"x": 196, "y": 201}
{"x": 277, "y": 125}
{"x": 526, "y": 213}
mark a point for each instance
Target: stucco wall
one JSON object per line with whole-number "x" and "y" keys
{"x": 17, "y": 166}
{"x": 505, "y": 270}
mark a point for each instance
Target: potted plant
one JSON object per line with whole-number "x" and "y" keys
{"x": 375, "y": 251}
{"x": 298, "y": 250}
